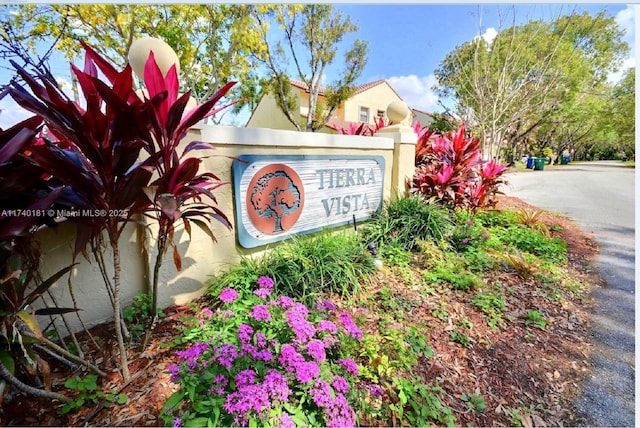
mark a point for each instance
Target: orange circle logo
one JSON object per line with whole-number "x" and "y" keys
{"x": 275, "y": 198}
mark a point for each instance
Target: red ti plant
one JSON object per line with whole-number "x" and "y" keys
{"x": 483, "y": 191}
{"x": 93, "y": 151}
{"x": 449, "y": 170}
{"x": 97, "y": 150}
{"x": 180, "y": 191}
{"x": 364, "y": 129}
{"x": 26, "y": 193}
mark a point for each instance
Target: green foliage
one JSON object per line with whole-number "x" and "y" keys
{"x": 87, "y": 393}
{"x": 406, "y": 221}
{"x": 474, "y": 402}
{"x": 452, "y": 272}
{"x": 306, "y": 266}
{"x": 419, "y": 404}
{"x": 394, "y": 255}
{"x": 525, "y": 265}
{"x": 533, "y": 316}
{"x": 491, "y": 303}
{"x": 496, "y": 218}
{"x": 534, "y": 242}
{"x": 138, "y": 315}
{"x": 468, "y": 234}
{"x": 531, "y": 219}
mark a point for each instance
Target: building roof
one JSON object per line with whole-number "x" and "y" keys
{"x": 358, "y": 89}
{"x": 415, "y": 110}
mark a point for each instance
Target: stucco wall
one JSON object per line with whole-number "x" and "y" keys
{"x": 269, "y": 115}
{"x": 375, "y": 98}
{"x": 202, "y": 258}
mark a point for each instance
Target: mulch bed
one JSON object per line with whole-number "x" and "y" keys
{"x": 518, "y": 370}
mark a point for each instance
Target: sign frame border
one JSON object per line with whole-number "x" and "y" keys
{"x": 242, "y": 162}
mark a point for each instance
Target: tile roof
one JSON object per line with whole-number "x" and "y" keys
{"x": 358, "y": 89}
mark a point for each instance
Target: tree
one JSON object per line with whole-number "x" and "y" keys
{"x": 312, "y": 34}
{"x": 509, "y": 87}
{"x": 275, "y": 196}
{"x": 215, "y": 43}
{"x": 623, "y": 112}
{"x": 19, "y": 35}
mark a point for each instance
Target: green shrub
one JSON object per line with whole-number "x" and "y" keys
{"x": 306, "y": 266}
{"x": 405, "y": 221}
{"x": 496, "y": 218}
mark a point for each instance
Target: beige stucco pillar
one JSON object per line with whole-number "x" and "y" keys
{"x": 405, "y": 146}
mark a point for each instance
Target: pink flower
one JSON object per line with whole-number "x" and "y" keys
{"x": 350, "y": 326}
{"x": 315, "y": 348}
{"x": 228, "y": 295}
{"x": 260, "y": 313}
{"x": 265, "y": 282}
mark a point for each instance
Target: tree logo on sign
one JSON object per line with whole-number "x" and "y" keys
{"x": 275, "y": 199}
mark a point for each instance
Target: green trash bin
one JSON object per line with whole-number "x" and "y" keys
{"x": 538, "y": 164}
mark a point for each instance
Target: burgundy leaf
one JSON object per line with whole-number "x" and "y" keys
{"x": 17, "y": 225}
{"x": 198, "y": 145}
{"x": 15, "y": 145}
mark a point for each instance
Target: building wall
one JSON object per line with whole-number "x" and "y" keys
{"x": 202, "y": 258}
{"x": 376, "y": 98}
{"x": 268, "y": 115}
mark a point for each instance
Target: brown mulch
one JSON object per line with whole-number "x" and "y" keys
{"x": 524, "y": 374}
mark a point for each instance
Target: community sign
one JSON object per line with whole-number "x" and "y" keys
{"x": 279, "y": 196}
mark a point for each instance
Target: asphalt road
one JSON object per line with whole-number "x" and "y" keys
{"x": 600, "y": 197}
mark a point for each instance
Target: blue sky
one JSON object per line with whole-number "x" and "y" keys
{"x": 407, "y": 42}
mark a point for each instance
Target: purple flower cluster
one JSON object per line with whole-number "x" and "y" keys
{"x": 260, "y": 313}
{"x": 336, "y": 407}
{"x": 315, "y": 348}
{"x": 351, "y": 327}
{"x": 251, "y": 396}
{"x": 350, "y": 366}
{"x": 265, "y": 282}
{"x": 219, "y": 384}
{"x": 296, "y": 318}
{"x": 193, "y": 353}
{"x": 248, "y": 391}
{"x": 326, "y": 305}
{"x": 228, "y": 295}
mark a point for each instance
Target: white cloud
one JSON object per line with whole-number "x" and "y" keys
{"x": 11, "y": 113}
{"x": 626, "y": 19}
{"x": 488, "y": 35}
{"x": 416, "y": 91}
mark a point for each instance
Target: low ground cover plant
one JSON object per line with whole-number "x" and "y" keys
{"x": 259, "y": 359}
{"x": 256, "y": 355}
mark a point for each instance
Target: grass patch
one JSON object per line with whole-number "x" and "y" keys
{"x": 305, "y": 267}
{"x": 405, "y": 221}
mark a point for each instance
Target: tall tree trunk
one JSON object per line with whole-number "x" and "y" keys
{"x": 116, "y": 310}
{"x": 153, "y": 310}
